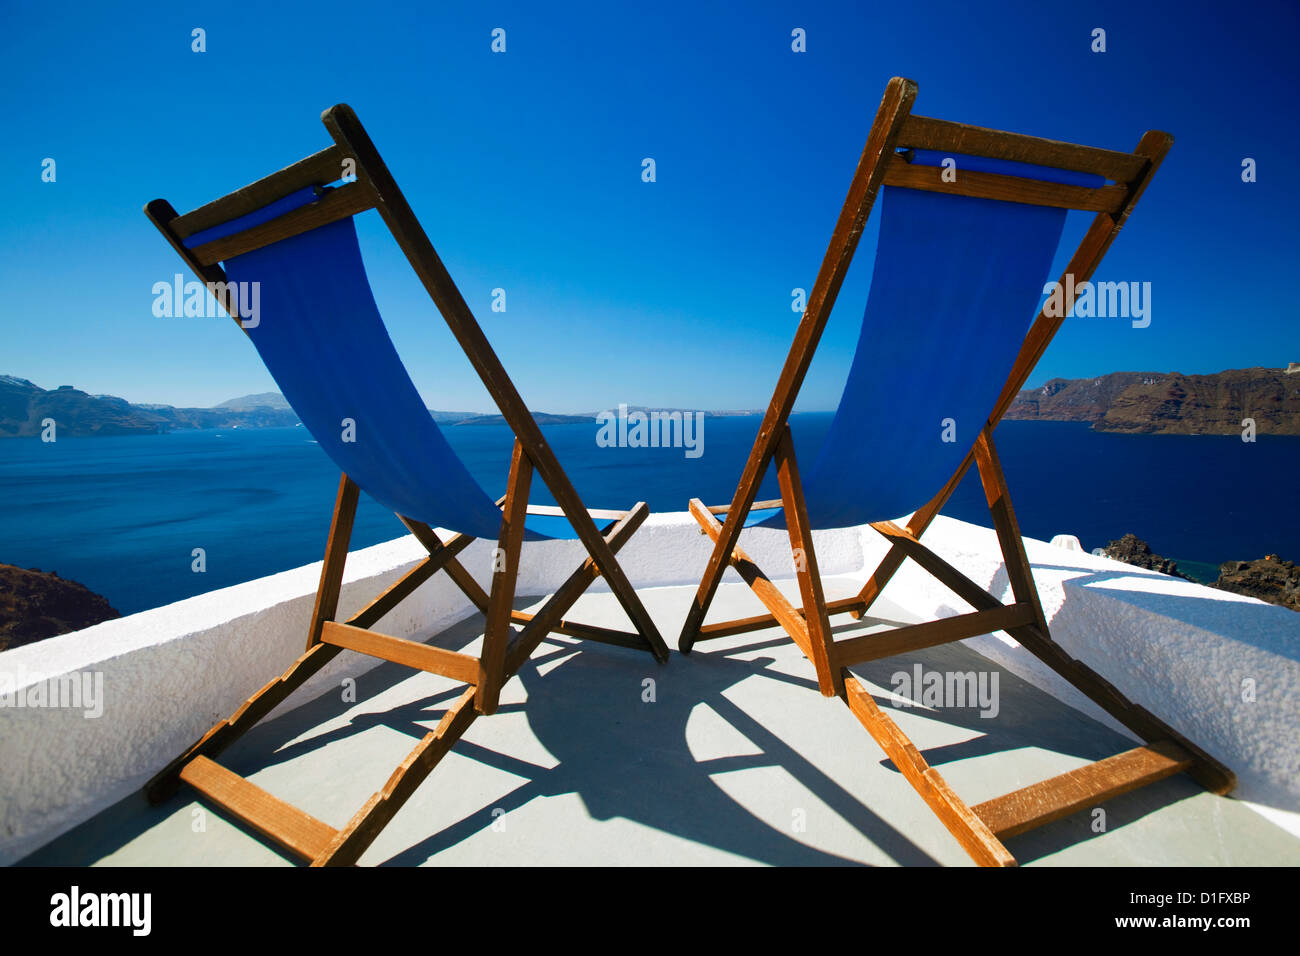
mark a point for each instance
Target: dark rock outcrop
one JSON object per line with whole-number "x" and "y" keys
{"x": 1270, "y": 579}
{"x": 38, "y": 604}
{"x": 1133, "y": 550}
{"x": 1170, "y": 403}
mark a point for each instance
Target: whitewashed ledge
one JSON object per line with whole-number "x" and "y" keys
{"x": 1178, "y": 649}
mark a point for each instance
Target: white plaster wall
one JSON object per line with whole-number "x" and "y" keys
{"x": 1176, "y": 648}
{"x": 1184, "y": 652}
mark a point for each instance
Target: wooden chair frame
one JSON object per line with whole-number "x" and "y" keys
{"x": 979, "y": 829}
{"x": 504, "y": 649}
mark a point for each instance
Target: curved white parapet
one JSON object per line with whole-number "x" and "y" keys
{"x": 1222, "y": 669}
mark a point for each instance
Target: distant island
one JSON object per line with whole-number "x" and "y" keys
{"x": 1170, "y": 403}
{"x": 1146, "y": 403}
{"x": 24, "y": 405}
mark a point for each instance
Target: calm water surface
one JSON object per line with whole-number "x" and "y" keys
{"x": 123, "y": 515}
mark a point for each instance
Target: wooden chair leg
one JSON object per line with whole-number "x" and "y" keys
{"x": 225, "y": 732}
{"x": 1209, "y": 772}
{"x": 916, "y": 526}
{"x": 1007, "y": 528}
{"x": 455, "y": 570}
{"x": 367, "y": 823}
{"x": 963, "y": 823}
{"x": 829, "y": 680}
{"x": 497, "y": 631}
{"x": 719, "y": 559}
{"x": 221, "y": 735}
{"x": 551, "y": 614}
{"x": 336, "y": 555}
{"x": 783, "y": 612}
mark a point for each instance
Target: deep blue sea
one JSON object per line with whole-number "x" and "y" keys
{"x": 123, "y": 515}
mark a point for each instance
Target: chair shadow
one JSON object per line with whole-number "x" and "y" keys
{"x": 626, "y": 758}
{"x": 635, "y": 762}
{"x": 1044, "y": 721}
{"x": 623, "y": 757}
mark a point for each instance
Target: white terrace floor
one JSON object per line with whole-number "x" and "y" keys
{"x": 736, "y": 760}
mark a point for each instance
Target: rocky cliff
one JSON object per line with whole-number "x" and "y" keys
{"x": 1269, "y": 579}
{"x": 1170, "y": 403}
{"x": 1133, "y": 550}
{"x": 38, "y": 604}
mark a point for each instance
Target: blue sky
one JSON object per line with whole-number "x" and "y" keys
{"x": 525, "y": 168}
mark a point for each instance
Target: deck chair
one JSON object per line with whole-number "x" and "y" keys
{"x": 321, "y": 336}
{"x": 946, "y": 344}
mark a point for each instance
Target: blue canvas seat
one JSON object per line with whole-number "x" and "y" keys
{"x": 321, "y": 336}
{"x": 956, "y": 284}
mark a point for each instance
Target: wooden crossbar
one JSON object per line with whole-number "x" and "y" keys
{"x": 1034, "y": 192}
{"x": 915, "y": 637}
{"x": 298, "y": 832}
{"x": 599, "y": 514}
{"x": 399, "y": 650}
{"x": 1060, "y": 796}
{"x": 760, "y": 621}
{"x": 924, "y": 132}
{"x": 318, "y": 169}
{"x": 336, "y": 204}
{"x": 756, "y": 506}
{"x": 590, "y": 632}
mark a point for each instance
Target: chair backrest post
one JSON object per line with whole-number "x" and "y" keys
{"x": 354, "y": 142}
{"x": 895, "y": 106}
